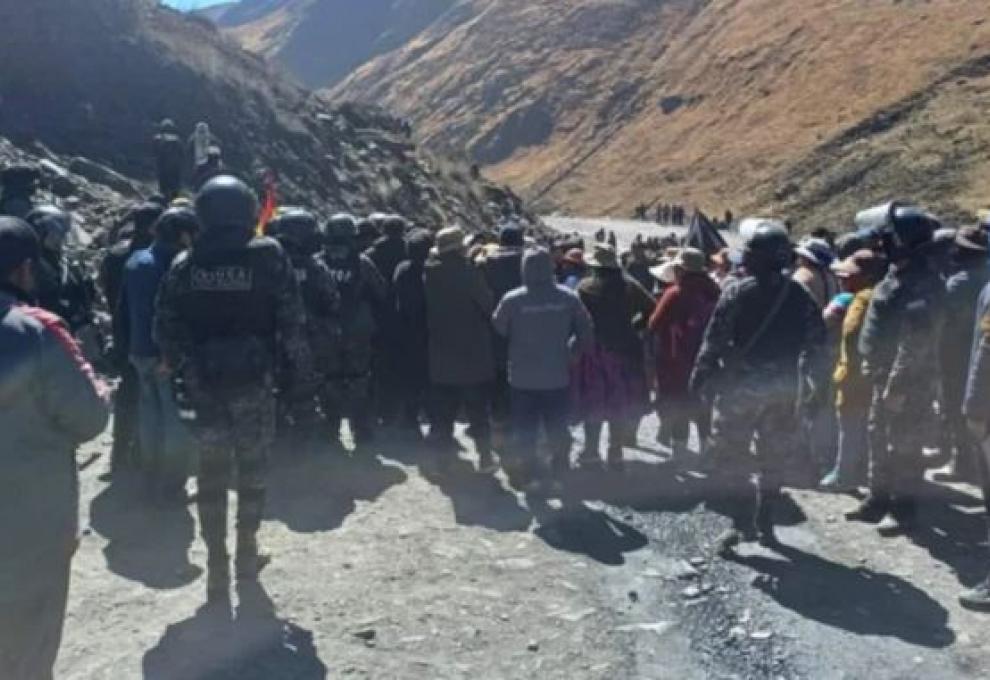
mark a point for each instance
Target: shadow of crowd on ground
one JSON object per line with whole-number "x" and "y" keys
{"x": 315, "y": 491}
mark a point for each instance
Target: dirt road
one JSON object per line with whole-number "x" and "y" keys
{"x": 385, "y": 570}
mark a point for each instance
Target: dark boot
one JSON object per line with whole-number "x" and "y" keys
{"x": 764, "y": 518}
{"x": 590, "y": 456}
{"x": 871, "y": 510}
{"x": 901, "y": 517}
{"x": 742, "y": 512}
{"x": 217, "y": 573}
{"x": 213, "y": 525}
{"x": 249, "y": 560}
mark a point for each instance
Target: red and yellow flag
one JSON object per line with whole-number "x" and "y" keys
{"x": 269, "y": 205}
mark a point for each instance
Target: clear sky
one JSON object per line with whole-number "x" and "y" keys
{"x": 192, "y": 4}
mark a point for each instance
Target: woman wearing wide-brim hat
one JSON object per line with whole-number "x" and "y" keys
{"x": 609, "y": 381}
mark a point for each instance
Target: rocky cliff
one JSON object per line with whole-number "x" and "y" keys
{"x": 91, "y": 78}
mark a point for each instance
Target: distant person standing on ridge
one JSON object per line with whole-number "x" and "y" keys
{"x": 168, "y": 159}
{"x": 213, "y": 167}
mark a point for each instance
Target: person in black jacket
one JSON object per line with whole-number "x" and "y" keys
{"x": 386, "y": 253}
{"x": 169, "y": 155}
{"x": 125, "y": 453}
{"x": 410, "y": 307}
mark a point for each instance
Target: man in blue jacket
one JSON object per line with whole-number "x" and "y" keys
{"x": 164, "y": 441}
{"x": 543, "y": 323}
{"x": 50, "y": 403}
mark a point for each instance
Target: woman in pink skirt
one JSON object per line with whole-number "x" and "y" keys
{"x": 609, "y": 379}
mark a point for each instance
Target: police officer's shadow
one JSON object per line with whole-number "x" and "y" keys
{"x": 316, "y": 491}
{"x": 248, "y": 643}
{"x": 952, "y": 527}
{"x": 856, "y": 599}
{"x": 146, "y": 543}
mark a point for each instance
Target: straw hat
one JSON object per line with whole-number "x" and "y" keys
{"x": 690, "y": 260}
{"x": 603, "y": 257}
{"x": 449, "y": 240}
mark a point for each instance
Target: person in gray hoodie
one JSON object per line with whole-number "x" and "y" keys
{"x": 543, "y": 323}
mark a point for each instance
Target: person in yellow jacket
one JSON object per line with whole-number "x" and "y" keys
{"x": 847, "y": 311}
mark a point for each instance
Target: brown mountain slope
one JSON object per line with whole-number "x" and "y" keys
{"x": 322, "y": 41}
{"x": 597, "y": 105}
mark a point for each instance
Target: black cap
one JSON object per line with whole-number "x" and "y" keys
{"x": 18, "y": 243}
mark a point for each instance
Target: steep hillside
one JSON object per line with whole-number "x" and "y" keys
{"x": 323, "y": 41}
{"x": 101, "y": 99}
{"x": 598, "y": 105}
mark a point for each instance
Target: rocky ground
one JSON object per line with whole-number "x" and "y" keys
{"x": 384, "y": 569}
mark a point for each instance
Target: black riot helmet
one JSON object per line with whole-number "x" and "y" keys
{"x": 904, "y": 228}
{"x": 369, "y": 229}
{"x": 52, "y": 225}
{"x": 340, "y": 238}
{"x": 767, "y": 249}
{"x": 341, "y": 228}
{"x": 394, "y": 226}
{"x": 227, "y": 204}
{"x": 297, "y": 230}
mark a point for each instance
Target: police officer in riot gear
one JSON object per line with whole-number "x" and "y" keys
{"x": 766, "y": 337}
{"x": 898, "y": 344}
{"x": 346, "y": 364}
{"x": 228, "y": 310}
{"x": 298, "y": 231}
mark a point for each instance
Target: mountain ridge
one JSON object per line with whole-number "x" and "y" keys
{"x": 597, "y": 106}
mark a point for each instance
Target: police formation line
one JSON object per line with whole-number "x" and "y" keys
{"x": 819, "y": 364}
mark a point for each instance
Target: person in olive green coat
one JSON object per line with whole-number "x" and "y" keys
{"x": 459, "y": 308}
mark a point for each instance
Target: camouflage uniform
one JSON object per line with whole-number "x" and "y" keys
{"x": 224, "y": 314}
{"x": 753, "y": 383}
{"x": 345, "y": 363}
{"x": 321, "y": 301}
{"x": 898, "y": 344}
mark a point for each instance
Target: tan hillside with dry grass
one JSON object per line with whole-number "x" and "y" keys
{"x": 807, "y": 105}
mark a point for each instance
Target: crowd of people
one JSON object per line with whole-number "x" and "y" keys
{"x": 820, "y": 363}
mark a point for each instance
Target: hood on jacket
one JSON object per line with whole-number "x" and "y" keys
{"x": 537, "y": 268}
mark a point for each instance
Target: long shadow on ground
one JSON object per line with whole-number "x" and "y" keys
{"x": 858, "y": 599}
{"x": 479, "y": 499}
{"x": 252, "y": 645}
{"x": 313, "y": 493}
{"x": 585, "y": 531}
{"x": 951, "y": 534}
{"x": 145, "y": 543}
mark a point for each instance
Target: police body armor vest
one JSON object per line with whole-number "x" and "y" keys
{"x": 229, "y": 305}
